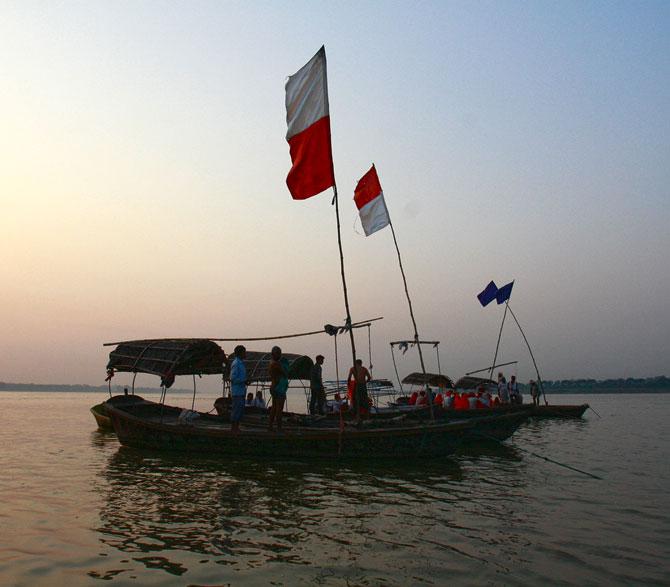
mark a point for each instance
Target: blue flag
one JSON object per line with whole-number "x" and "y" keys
{"x": 488, "y": 295}
{"x": 504, "y": 292}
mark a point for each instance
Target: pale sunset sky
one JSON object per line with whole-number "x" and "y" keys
{"x": 143, "y": 163}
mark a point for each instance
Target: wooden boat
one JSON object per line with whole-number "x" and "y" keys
{"x": 470, "y": 383}
{"x": 546, "y": 411}
{"x": 100, "y": 414}
{"x": 259, "y": 417}
{"x": 151, "y": 425}
{"x": 559, "y": 411}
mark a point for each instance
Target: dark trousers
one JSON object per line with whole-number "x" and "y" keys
{"x": 317, "y": 402}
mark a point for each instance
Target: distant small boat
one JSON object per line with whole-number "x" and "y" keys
{"x": 558, "y": 411}
{"x": 99, "y": 411}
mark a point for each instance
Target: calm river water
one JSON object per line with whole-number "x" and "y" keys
{"x": 76, "y": 509}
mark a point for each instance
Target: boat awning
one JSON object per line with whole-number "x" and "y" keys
{"x": 168, "y": 358}
{"x": 473, "y": 383}
{"x": 428, "y": 379}
{"x": 257, "y": 362}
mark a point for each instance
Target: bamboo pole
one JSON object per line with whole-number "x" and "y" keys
{"x": 411, "y": 313}
{"x": 498, "y": 343}
{"x": 494, "y": 366}
{"x": 344, "y": 279}
{"x": 539, "y": 379}
{"x": 239, "y": 338}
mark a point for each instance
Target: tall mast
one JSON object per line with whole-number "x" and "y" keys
{"x": 344, "y": 279}
{"x": 411, "y": 314}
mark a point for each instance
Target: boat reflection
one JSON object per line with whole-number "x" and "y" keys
{"x": 245, "y": 514}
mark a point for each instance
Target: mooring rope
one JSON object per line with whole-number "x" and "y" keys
{"x": 542, "y": 457}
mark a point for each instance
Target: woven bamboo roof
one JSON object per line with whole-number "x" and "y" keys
{"x": 168, "y": 358}
{"x": 473, "y": 383}
{"x": 429, "y": 379}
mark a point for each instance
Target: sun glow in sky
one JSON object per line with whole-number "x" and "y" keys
{"x": 143, "y": 164}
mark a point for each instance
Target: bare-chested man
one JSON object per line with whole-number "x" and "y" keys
{"x": 361, "y": 376}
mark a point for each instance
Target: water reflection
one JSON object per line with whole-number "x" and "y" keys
{"x": 176, "y": 511}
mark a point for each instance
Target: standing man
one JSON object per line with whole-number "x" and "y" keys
{"x": 361, "y": 376}
{"x": 317, "y": 399}
{"x": 514, "y": 393}
{"x": 503, "y": 393}
{"x": 534, "y": 393}
{"x": 238, "y": 388}
{"x": 278, "y": 371}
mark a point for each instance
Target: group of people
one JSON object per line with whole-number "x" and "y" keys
{"x": 357, "y": 380}
{"x": 256, "y": 401}
{"x": 278, "y": 370}
{"x": 508, "y": 393}
{"x": 451, "y": 399}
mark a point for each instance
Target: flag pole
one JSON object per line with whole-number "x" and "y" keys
{"x": 411, "y": 313}
{"x": 344, "y": 280}
{"x": 539, "y": 379}
{"x": 498, "y": 343}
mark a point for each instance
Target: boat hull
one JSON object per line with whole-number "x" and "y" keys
{"x": 559, "y": 411}
{"x": 101, "y": 415}
{"x": 152, "y": 426}
{"x": 102, "y": 419}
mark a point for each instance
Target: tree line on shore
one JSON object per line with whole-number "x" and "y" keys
{"x": 627, "y": 385}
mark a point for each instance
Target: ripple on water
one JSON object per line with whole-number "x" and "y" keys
{"x": 84, "y": 510}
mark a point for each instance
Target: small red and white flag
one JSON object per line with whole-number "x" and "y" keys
{"x": 369, "y": 199}
{"x": 308, "y": 135}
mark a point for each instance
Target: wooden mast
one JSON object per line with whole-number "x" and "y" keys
{"x": 344, "y": 279}
{"x": 411, "y": 314}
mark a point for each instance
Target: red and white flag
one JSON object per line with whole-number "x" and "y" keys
{"x": 369, "y": 199}
{"x": 308, "y": 135}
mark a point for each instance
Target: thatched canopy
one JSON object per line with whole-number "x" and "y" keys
{"x": 256, "y": 362}
{"x": 168, "y": 358}
{"x": 473, "y": 383}
{"x": 429, "y": 378}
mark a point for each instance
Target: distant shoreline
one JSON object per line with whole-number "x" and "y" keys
{"x": 116, "y": 389}
{"x": 549, "y": 388}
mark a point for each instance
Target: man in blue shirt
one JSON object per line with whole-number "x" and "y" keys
{"x": 238, "y": 387}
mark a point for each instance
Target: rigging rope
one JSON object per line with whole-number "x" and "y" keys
{"x": 402, "y": 391}
{"x": 337, "y": 369}
{"x": 246, "y": 339}
{"x": 370, "y": 349}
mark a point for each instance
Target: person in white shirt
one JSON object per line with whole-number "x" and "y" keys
{"x": 503, "y": 392}
{"x": 336, "y": 404}
{"x": 514, "y": 393}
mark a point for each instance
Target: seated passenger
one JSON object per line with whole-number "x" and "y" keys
{"x": 337, "y": 404}
{"x": 250, "y": 400}
{"x": 472, "y": 401}
{"x": 413, "y": 398}
{"x": 422, "y": 400}
{"x": 259, "y": 402}
{"x": 439, "y": 400}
